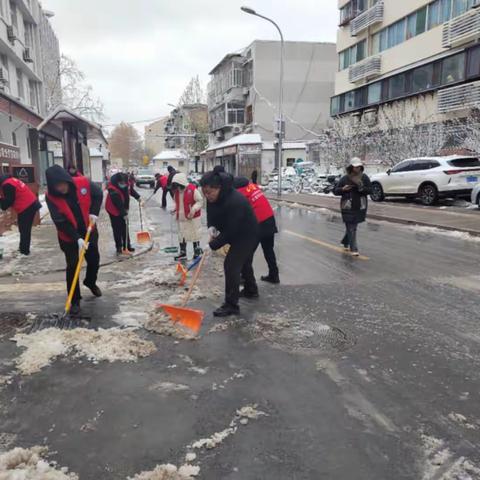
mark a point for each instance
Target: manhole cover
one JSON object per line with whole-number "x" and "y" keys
{"x": 11, "y": 322}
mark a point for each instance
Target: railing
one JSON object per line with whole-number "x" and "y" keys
{"x": 366, "y": 19}
{"x": 462, "y": 29}
{"x": 459, "y": 97}
{"x": 368, "y": 68}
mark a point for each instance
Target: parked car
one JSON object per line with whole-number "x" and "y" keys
{"x": 475, "y": 196}
{"x": 428, "y": 179}
{"x": 145, "y": 176}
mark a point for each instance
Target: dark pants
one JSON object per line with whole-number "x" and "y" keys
{"x": 92, "y": 257}
{"x": 350, "y": 238}
{"x": 25, "y": 222}
{"x": 238, "y": 263}
{"x": 120, "y": 233}
{"x": 164, "y": 197}
{"x": 268, "y": 245}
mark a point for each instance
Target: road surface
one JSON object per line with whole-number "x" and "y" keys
{"x": 367, "y": 369}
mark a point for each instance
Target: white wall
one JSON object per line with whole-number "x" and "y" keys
{"x": 96, "y": 174}
{"x": 21, "y": 133}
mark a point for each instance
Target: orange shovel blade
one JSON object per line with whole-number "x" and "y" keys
{"x": 187, "y": 317}
{"x": 143, "y": 237}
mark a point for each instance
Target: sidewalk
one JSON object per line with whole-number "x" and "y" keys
{"x": 46, "y": 256}
{"x": 459, "y": 220}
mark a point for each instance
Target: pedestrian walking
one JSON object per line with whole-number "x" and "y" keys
{"x": 161, "y": 183}
{"x": 117, "y": 206}
{"x": 230, "y": 214}
{"x": 188, "y": 210}
{"x": 74, "y": 203}
{"x": 354, "y": 188}
{"x": 171, "y": 173}
{"x": 16, "y": 195}
{"x": 266, "y": 222}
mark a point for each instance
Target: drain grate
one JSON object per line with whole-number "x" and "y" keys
{"x": 11, "y": 322}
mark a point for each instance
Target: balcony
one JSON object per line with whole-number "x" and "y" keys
{"x": 462, "y": 29}
{"x": 459, "y": 98}
{"x": 366, "y": 19}
{"x": 366, "y": 69}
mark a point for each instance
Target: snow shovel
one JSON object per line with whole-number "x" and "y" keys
{"x": 171, "y": 248}
{"x": 188, "y": 317}
{"x": 143, "y": 236}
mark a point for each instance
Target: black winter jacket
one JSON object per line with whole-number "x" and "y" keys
{"x": 232, "y": 216}
{"x": 122, "y": 206}
{"x": 354, "y": 204}
{"x": 56, "y": 174}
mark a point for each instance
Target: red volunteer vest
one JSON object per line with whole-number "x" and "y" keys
{"x": 259, "y": 202}
{"x": 109, "y": 205}
{"x": 188, "y": 201}
{"x": 24, "y": 197}
{"x": 163, "y": 181}
{"x": 84, "y": 198}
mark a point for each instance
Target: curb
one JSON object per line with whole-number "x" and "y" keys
{"x": 105, "y": 264}
{"x": 373, "y": 216}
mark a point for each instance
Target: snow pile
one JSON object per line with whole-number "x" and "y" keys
{"x": 44, "y": 346}
{"x": 250, "y": 412}
{"x": 168, "y": 387}
{"x": 169, "y": 472}
{"x": 461, "y": 420}
{"x": 159, "y": 322}
{"x": 28, "y": 464}
{"x": 440, "y": 463}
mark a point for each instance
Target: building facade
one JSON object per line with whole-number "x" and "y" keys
{"x": 413, "y": 64}
{"x": 244, "y": 89}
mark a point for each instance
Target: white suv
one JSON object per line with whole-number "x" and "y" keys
{"x": 428, "y": 178}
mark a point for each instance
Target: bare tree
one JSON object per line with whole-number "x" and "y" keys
{"x": 75, "y": 93}
{"x": 193, "y": 93}
{"x": 125, "y": 143}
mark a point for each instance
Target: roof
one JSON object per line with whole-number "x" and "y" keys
{"x": 227, "y": 57}
{"x": 243, "y": 139}
{"x": 64, "y": 114}
{"x": 171, "y": 155}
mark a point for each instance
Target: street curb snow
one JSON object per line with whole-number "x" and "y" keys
{"x": 105, "y": 264}
{"x": 373, "y": 216}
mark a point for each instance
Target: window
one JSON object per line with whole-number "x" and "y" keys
{"x": 20, "y": 86}
{"x": 473, "y": 68}
{"x": 396, "y": 33}
{"x": 352, "y": 55}
{"x": 453, "y": 69}
{"x": 434, "y": 14}
{"x": 14, "y": 138}
{"x": 397, "y": 86}
{"x": 422, "y": 78}
{"x": 374, "y": 93}
{"x": 349, "y": 100}
{"x": 33, "y": 93}
{"x": 181, "y": 163}
{"x": 2, "y": 11}
{"x": 13, "y": 15}
{"x": 421, "y": 23}
{"x": 359, "y": 98}
{"x": 290, "y": 162}
{"x": 4, "y": 62}
{"x": 335, "y": 105}
{"x": 411, "y": 25}
{"x": 465, "y": 162}
{"x": 445, "y": 10}
{"x": 402, "y": 166}
{"x": 418, "y": 165}
{"x": 27, "y": 27}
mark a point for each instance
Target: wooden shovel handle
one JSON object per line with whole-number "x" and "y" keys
{"x": 194, "y": 279}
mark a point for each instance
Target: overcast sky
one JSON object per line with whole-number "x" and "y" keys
{"x": 139, "y": 54}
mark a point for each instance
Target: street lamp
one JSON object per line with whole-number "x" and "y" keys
{"x": 251, "y": 11}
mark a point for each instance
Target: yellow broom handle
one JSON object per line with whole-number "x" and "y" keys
{"x": 81, "y": 257}
{"x": 194, "y": 279}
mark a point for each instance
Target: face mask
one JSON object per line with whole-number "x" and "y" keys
{"x": 122, "y": 185}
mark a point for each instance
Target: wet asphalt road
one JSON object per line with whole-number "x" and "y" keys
{"x": 356, "y": 361}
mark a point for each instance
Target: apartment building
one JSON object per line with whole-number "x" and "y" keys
{"x": 155, "y": 136}
{"x": 243, "y": 97}
{"x": 421, "y": 55}
{"x": 29, "y": 79}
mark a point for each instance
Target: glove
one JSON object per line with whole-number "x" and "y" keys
{"x": 141, "y": 202}
{"x": 93, "y": 219}
{"x": 82, "y": 244}
{"x": 213, "y": 232}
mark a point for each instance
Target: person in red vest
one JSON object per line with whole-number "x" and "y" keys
{"x": 267, "y": 225}
{"x": 74, "y": 203}
{"x": 188, "y": 209}
{"x": 16, "y": 195}
{"x": 162, "y": 181}
{"x": 117, "y": 205}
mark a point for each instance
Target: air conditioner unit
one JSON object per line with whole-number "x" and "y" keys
{"x": 3, "y": 79}
{"x": 219, "y": 135}
{"x": 11, "y": 34}
{"x": 26, "y": 56}
{"x": 237, "y": 130}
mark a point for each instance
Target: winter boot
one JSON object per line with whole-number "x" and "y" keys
{"x": 130, "y": 249}
{"x": 226, "y": 310}
{"x": 275, "y": 279}
{"x": 183, "y": 252}
{"x": 249, "y": 293}
{"x": 94, "y": 289}
{"x": 197, "y": 251}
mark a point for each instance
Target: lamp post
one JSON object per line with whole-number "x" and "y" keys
{"x": 280, "y": 128}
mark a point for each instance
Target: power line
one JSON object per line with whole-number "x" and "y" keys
{"x": 136, "y": 121}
